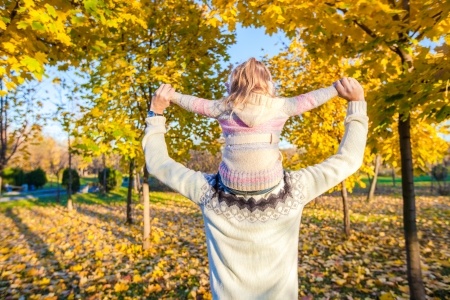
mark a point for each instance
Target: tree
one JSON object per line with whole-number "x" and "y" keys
{"x": 388, "y": 40}
{"x": 20, "y": 121}
{"x": 440, "y": 173}
{"x": 71, "y": 180}
{"x": 373, "y": 182}
{"x": 130, "y": 191}
{"x": 113, "y": 179}
{"x": 174, "y": 43}
{"x": 13, "y": 176}
{"x": 37, "y": 34}
{"x": 36, "y": 178}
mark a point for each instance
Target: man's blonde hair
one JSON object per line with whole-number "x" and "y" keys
{"x": 249, "y": 77}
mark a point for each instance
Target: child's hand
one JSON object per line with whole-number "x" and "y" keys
{"x": 161, "y": 98}
{"x": 350, "y": 89}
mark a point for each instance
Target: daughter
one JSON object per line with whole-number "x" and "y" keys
{"x": 252, "y": 118}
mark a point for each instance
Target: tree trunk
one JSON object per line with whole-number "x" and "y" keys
{"x": 373, "y": 183}
{"x": 1, "y": 181}
{"x": 57, "y": 189}
{"x": 139, "y": 185}
{"x": 135, "y": 181}
{"x": 69, "y": 186}
{"x": 104, "y": 174}
{"x": 431, "y": 184}
{"x": 345, "y": 207}
{"x": 416, "y": 287}
{"x": 130, "y": 192}
{"x": 393, "y": 176}
{"x": 146, "y": 200}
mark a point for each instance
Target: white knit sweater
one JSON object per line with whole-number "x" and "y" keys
{"x": 253, "y": 241}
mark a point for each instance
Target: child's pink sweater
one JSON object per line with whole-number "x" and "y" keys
{"x": 251, "y": 160}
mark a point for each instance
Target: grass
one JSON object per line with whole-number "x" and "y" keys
{"x": 115, "y": 197}
{"x": 423, "y": 180}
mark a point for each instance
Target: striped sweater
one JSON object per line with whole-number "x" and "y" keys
{"x": 251, "y": 160}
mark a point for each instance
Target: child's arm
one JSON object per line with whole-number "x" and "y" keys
{"x": 208, "y": 108}
{"x": 315, "y": 180}
{"x": 305, "y": 102}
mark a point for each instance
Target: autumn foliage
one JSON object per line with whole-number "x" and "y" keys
{"x": 399, "y": 51}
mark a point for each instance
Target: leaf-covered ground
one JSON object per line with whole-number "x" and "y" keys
{"x": 49, "y": 253}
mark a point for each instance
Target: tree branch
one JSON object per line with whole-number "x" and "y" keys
{"x": 438, "y": 17}
{"x": 360, "y": 25}
{"x": 12, "y": 15}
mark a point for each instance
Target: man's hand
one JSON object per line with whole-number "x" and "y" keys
{"x": 349, "y": 88}
{"x": 161, "y": 98}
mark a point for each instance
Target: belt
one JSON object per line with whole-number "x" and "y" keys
{"x": 270, "y": 138}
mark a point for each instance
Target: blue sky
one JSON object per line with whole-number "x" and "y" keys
{"x": 253, "y": 42}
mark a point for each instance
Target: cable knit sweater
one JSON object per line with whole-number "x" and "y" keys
{"x": 251, "y": 160}
{"x": 252, "y": 241}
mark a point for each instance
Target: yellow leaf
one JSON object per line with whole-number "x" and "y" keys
{"x": 44, "y": 281}
{"x": 99, "y": 254}
{"x": 153, "y": 288}
{"x": 121, "y": 287}
{"x": 340, "y": 281}
{"x": 137, "y": 278}
{"x": 387, "y": 296}
{"x": 77, "y": 268}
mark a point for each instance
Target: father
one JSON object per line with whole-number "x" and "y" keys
{"x": 253, "y": 240}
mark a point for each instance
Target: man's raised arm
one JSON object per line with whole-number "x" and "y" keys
{"x": 348, "y": 159}
{"x": 187, "y": 182}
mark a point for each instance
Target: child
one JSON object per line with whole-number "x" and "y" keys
{"x": 252, "y": 118}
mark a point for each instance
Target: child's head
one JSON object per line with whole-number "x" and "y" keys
{"x": 249, "y": 77}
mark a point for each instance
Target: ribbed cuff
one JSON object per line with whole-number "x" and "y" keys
{"x": 156, "y": 121}
{"x": 156, "y": 124}
{"x": 176, "y": 96}
{"x": 357, "y": 107}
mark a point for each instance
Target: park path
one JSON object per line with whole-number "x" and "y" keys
{"x": 33, "y": 195}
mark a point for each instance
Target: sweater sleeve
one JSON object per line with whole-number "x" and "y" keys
{"x": 187, "y": 182}
{"x": 319, "y": 178}
{"x": 305, "y": 102}
{"x": 208, "y": 108}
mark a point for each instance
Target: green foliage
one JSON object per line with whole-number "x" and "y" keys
{"x": 13, "y": 176}
{"x": 36, "y": 178}
{"x": 75, "y": 180}
{"x": 113, "y": 179}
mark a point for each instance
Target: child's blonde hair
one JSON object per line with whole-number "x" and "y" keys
{"x": 249, "y": 77}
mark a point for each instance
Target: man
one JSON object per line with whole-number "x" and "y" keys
{"x": 252, "y": 238}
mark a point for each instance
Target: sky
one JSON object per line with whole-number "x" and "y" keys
{"x": 253, "y": 42}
